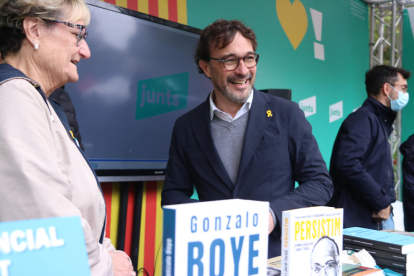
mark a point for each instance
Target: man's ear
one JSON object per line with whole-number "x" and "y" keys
{"x": 205, "y": 66}
{"x": 386, "y": 89}
{"x": 31, "y": 26}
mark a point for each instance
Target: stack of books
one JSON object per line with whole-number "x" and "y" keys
{"x": 390, "y": 250}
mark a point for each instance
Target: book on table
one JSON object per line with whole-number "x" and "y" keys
{"x": 274, "y": 266}
{"x": 394, "y": 264}
{"x": 399, "y": 232}
{"x": 381, "y": 253}
{"x": 386, "y": 259}
{"x": 399, "y": 271}
{"x": 312, "y": 241}
{"x": 223, "y": 237}
{"x": 379, "y": 239}
{"x": 356, "y": 270}
{"x": 390, "y": 249}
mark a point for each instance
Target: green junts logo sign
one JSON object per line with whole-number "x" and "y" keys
{"x": 306, "y": 108}
{"x": 335, "y": 111}
{"x": 161, "y": 95}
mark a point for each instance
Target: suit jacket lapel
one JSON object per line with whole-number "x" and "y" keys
{"x": 202, "y": 131}
{"x": 258, "y": 121}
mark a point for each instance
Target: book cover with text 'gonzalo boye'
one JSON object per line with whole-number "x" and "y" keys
{"x": 225, "y": 237}
{"x": 312, "y": 241}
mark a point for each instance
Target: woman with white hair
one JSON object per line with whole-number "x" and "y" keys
{"x": 42, "y": 170}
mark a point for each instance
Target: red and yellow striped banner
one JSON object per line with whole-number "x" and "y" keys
{"x": 112, "y": 195}
{"x": 150, "y": 232}
{"x": 150, "y": 251}
{"x": 130, "y": 219}
{"x": 173, "y": 10}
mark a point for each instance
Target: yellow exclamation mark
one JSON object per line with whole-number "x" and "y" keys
{"x": 317, "y": 26}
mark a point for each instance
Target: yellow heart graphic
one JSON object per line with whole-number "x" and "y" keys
{"x": 293, "y": 19}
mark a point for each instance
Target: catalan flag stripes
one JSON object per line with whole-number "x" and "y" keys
{"x": 173, "y": 10}
{"x": 158, "y": 231}
{"x": 150, "y": 252}
{"x": 150, "y": 233}
{"x": 112, "y": 195}
{"x": 130, "y": 219}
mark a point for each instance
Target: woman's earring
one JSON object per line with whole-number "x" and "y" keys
{"x": 36, "y": 46}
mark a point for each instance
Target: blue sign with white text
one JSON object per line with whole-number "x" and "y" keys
{"x": 51, "y": 246}
{"x": 220, "y": 238}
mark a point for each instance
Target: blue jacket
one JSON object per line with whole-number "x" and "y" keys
{"x": 277, "y": 151}
{"x": 407, "y": 150}
{"x": 361, "y": 165}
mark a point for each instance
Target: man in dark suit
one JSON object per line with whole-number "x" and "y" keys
{"x": 361, "y": 165}
{"x": 242, "y": 143}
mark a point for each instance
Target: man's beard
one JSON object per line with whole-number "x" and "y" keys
{"x": 232, "y": 97}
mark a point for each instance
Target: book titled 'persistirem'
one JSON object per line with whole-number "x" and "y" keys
{"x": 312, "y": 241}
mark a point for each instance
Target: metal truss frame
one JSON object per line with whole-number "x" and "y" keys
{"x": 390, "y": 43}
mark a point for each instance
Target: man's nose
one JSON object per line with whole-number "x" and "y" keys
{"x": 242, "y": 68}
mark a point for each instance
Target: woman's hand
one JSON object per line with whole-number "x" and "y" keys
{"x": 121, "y": 264}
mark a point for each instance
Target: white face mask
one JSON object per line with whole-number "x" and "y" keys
{"x": 400, "y": 102}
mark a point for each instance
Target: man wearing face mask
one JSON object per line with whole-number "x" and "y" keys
{"x": 361, "y": 163}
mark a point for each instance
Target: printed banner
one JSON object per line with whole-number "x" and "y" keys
{"x": 47, "y": 247}
{"x": 227, "y": 237}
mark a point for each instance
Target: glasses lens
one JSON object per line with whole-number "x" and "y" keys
{"x": 250, "y": 61}
{"x": 330, "y": 266}
{"x": 82, "y": 35}
{"x": 231, "y": 63}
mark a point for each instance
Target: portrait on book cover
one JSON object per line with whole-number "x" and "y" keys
{"x": 325, "y": 258}
{"x": 273, "y": 271}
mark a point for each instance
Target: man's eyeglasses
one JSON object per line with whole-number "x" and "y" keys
{"x": 404, "y": 87}
{"x": 82, "y": 30}
{"x": 329, "y": 266}
{"x": 231, "y": 64}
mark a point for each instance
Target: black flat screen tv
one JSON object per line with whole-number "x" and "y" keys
{"x": 140, "y": 78}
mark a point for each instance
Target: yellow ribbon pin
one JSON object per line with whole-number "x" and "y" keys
{"x": 269, "y": 113}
